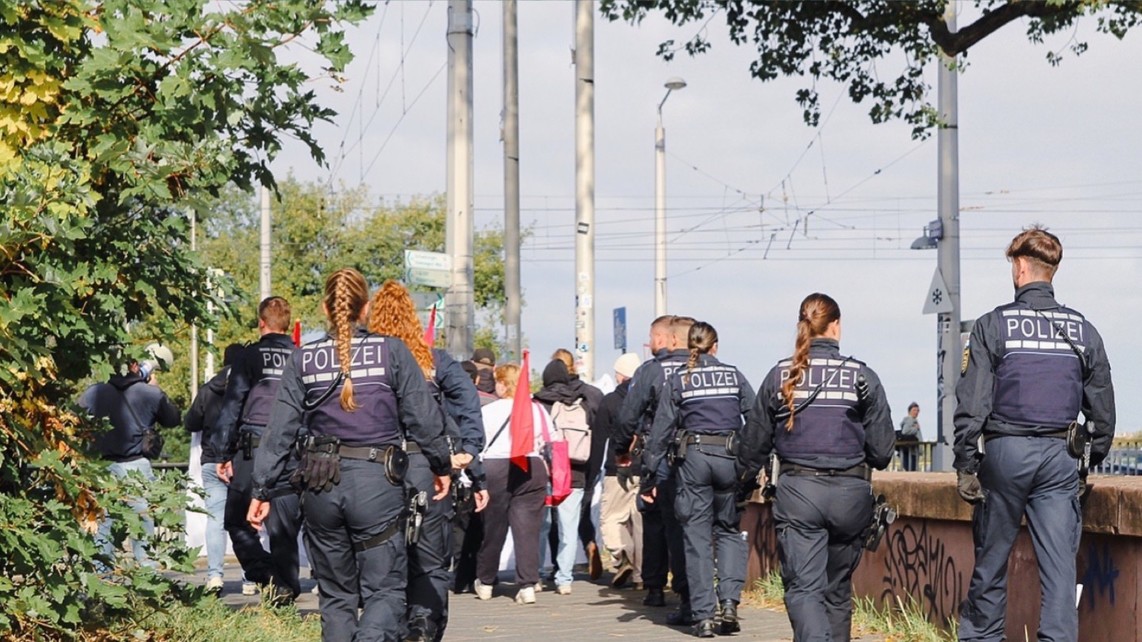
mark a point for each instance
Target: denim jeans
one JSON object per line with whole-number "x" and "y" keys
{"x": 567, "y": 512}
{"x": 103, "y": 537}
{"x": 215, "y": 508}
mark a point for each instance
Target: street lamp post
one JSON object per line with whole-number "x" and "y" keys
{"x": 660, "y": 203}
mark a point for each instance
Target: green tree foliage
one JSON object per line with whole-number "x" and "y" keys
{"x": 111, "y": 114}
{"x": 851, "y": 41}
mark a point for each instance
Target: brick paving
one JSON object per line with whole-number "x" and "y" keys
{"x": 592, "y": 611}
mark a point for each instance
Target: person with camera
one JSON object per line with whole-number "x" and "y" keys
{"x": 359, "y": 395}
{"x": 133, "y": 403}
{"x": 827, "y": 419}
{"x": 250, "y": 389}
{"x": 662, "y": 546}
{"x": 699, "y": 416}
{"x": 1029, "y": 368}
{"x": 392, "y": 312}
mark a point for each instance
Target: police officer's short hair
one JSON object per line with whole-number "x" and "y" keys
{"x": 1040, "y": 247}
{"x": 274, "y": 311}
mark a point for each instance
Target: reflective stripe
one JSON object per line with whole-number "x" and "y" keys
{"x": 320, "y": 376}
{"x": 711, "y": 392}
{"x": 1019, "y": 312}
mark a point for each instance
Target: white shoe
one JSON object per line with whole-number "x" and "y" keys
{"x": 484, "y": 592}
{"x": 214, "y": 585}
{"x": 563, "y": 589}
{"x": 249, "y": 588}
{"x": 526, "y": 595}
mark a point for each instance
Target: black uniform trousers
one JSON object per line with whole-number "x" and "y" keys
{"x": 467, "y": 536}
{"x": 1033, "y": 476}
{"x": 283, "y": 526}
{"x": 364, "y": 505}
{"x": 257, "y": 564}
{"x": 430, "y": 559}
{"x": 706, "y": 507}
{"x": 819, "y": 521}
{"x": 662, "y": 542}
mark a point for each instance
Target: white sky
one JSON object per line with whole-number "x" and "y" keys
{"x": 1059, "y": 146}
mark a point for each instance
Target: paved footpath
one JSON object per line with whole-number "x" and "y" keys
{"x": 592, "y": 611}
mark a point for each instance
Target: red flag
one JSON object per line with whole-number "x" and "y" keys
{"x": 430, "y": 333}
{"x": 522, "y": 424}
{"x": 297, "y": 333}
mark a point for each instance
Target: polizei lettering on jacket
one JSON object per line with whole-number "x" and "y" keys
{"x": 835, "y": 378}
{"x": 709, "y": 382}
{"x": 375, "y": 421}
{"x": 322, "y": 361}
{"x": 1039, "y": 380}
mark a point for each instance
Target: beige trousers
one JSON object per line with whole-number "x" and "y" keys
{"x": 621, "y": 524}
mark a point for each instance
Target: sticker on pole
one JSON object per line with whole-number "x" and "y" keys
{"x": 938, "y": 300}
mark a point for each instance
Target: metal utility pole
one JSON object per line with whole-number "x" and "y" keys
{"x": 585, "y": 187}
{"x": 459, "y": 301}
{"x": 264, "y": 277}
{"x": 511, "y": 183}
{"x": 660, "y": 203}
{"x": 948, "y": 253}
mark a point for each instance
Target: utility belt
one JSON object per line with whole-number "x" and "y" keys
{"x": 410, "y": 520}
{"x": 1057, "y": 434}
{"x": 321, "y": 455}
{"x": 860, "y": 471}
{"x": 683, "y": 440}
{"x": 248, "y": 442}
{"x": 411, "y": 447}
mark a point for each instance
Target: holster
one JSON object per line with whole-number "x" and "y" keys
{"x": 396, "y": 465}
{"x": 246, "y": 445}
{"x": 882, "y": 516}
{"x": 636, "y": 447}
{"x": 732, "y": 444}
{"x": 678, "y": 447}
{"x": 417, "y": 507}
{"x": 1078, "y": 438}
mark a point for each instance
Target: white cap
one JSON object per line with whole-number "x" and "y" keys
{"x": 627, "y": 364}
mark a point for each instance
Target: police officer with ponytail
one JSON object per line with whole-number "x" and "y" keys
{"x": 699, "y": 417}
{"x": 353, "y": 391}
{"x": 393, "y": 313}
{"x": 1029, "y": 368}
{"x": 827, "y": 419}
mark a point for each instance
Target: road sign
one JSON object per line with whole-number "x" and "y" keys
{"x": 621, "y": 329}
{"x": 428, "y": 277}
{"x": 938, "y": 301}
{"x": 427, "y": 260}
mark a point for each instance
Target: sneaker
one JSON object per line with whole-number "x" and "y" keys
{"x": 563, "y": 589}
{"x": 214, "y": 585}
{"x": 484, "y": 591}
{"x": 249, "y": 588}
{"x": 539, "y": 586}
{"x": 526, "y": 595}
{"x": 623, "y": 573}
{"x": 594, "y": 561}
{"x": 316, "y": 590}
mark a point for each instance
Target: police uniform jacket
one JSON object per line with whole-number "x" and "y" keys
{"x": 642, "y": 398}
{"x": 390, "y": 390}
{"x": 710, "y": 399}
{"x": 250, "y": 390}
{"x": 840, "y": 429}
{"x": 1021, "y": 376}
{"x": 125, "y": 401}
{"x": 460, "y": 400}
{"x": 203, "y": 414}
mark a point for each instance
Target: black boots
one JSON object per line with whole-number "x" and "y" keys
{"x": 654, "y": 597}
{"x": 704, "y": 629}
{"x": 729, "y": 618}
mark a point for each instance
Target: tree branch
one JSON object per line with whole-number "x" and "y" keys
{"x": 963, "y": 39}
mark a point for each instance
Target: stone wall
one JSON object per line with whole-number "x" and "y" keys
{"x": 927, "y": 555}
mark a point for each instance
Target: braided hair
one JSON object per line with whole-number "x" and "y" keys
{"x": 701, "y": 339}
{"x": 816, "y": 313}
{"x": 346, "y": 295}
{"x": 392, "y": 312}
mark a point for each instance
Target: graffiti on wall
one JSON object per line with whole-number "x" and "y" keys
{"x": 763, "y": 539}
{"x": 918, "y": 564}
{"x": 1101, "y": 574}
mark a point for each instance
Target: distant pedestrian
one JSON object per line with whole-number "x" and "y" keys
{"x": 1029, "y": 369}
{"x": 485, "y": 361}
{"x": 620, "y": 522}
{"x": 908, "y": 438}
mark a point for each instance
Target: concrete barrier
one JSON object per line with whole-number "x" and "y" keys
{"x": 927, "y": 556}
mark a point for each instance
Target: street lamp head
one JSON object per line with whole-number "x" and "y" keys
{"x": 924, "y": 243}
{"x": 675, "y": 83}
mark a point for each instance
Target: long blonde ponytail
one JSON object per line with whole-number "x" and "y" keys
{"x": 346, "y": 294}
{"x": 816, "y": 313}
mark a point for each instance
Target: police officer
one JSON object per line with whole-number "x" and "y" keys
{"x": 250, "y": 390}
{"x": 353, "y": 390}
{"x": 393, "y": 312}
{"x": 1029, "y": 367}
{"x": 827, "y": 418}
{"x": 661, "y": 534}
{"x": 700, "y": 414}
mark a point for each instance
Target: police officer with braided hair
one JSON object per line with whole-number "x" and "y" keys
{"x": 663, "y": 550}
{"x": 250, "y": 390}
{"x": 353, "y": 391}
{"x": 827, "y": 419}
{"x": 1029, "y": 368}
{"x": 393, "y": 313}
{"x": 700, "y": 413}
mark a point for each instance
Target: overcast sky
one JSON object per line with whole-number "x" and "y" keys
{"x": 1059, "y": 146}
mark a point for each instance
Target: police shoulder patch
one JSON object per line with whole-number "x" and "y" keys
{"x": 966, "y": 357}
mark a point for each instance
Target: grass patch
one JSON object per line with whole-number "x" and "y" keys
{"x": 211, "y": 619}
{"x": 905, "y": 622}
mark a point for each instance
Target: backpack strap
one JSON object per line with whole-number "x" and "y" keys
{"x": 497, "y": 435}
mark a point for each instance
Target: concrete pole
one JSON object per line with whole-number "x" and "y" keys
{"x": 193, "y": 328}
{"x": 585, "y": 347}
{"x": 511, "y": 183}
{"x": 660, "y": 216}
{"x": 948, "y": 251}
{"x": 459, "y": 301}
{"x": 264, "y": 274}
